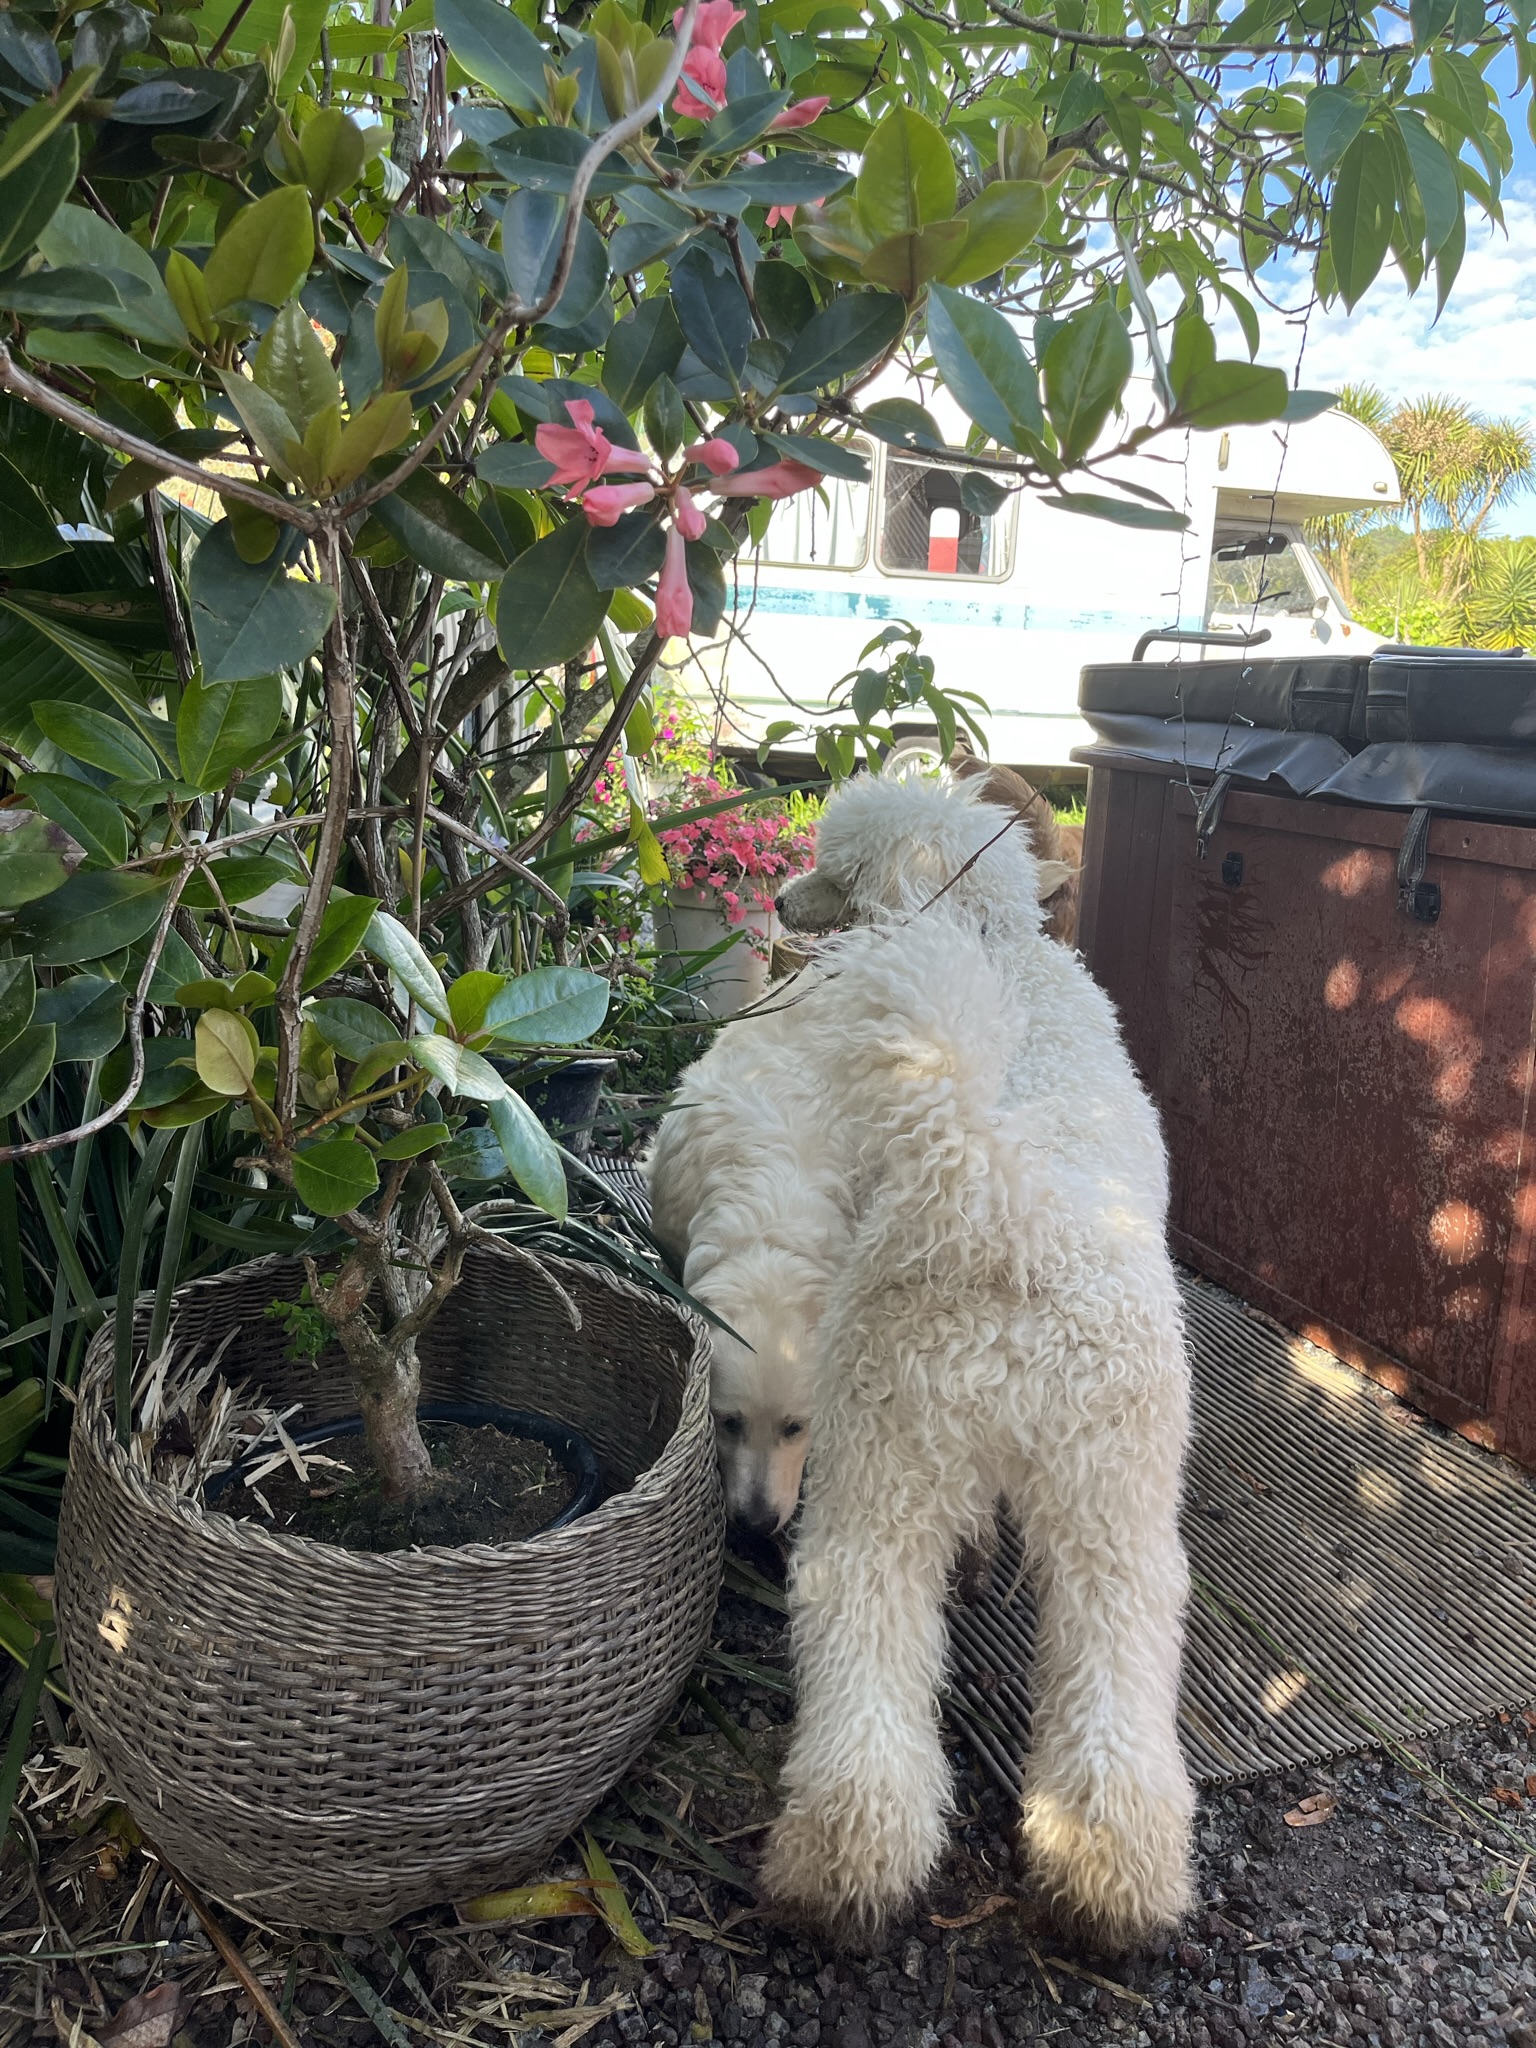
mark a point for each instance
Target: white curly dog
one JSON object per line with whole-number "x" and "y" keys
{"x": 997, "y": 1316}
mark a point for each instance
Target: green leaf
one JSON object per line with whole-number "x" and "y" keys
{"x": 848, "y": 334}
{"x": 550, "y": 1006}
{"x": 264, "y": 253}
{"x": 1360, "y": 215}
{"x": 647, "y": 344}
{"x": 334, "y": 1176}
{"x": 28, "y": 533}
{"x": 333, "y": 150}
{"x": 549, "y": 608}
{"x": 233, "y": 881}
{"x": 21, "y": 1415}
{"x": 89, "y": 816}
{"x": 1232, "y": 394}
{"x": 1434, "y": 174}
{"x": 291, "y": 364}
{"x": 260, "y": 26}
{"x": 982, "y": 362}
{"x": 1002, "y": 221}
{"x": 1123, "y": 511}
{"x": 252, "y": 618}
{"x": 347, "y": 922}
{"x": 354, "y": 1029}
{"x": 225, "y": 1047}
{"x": 222, "y": 727}
{"x": 532, "y": 1156}
{"x": 31, "y": 860}
{"x": 905, "y": 263}
{"x": 86, "y": 1013}
{"x": 467, "y": 998}
{"x": 907, "y": 178}
{"x": 980, "y": 495}
{"x": 87, "y": 351}
{"x": 97, "y": 739}
{"x": 1428, "y": 19}
{"x": 1087, "y": 364}
{"x": 28, "y": 1063}
{"x": 461, "y": 1071}
{"x": 439, "y": 531}
{"x": 496, "y": 50}
{"x": 27, "y": 134}
{"x": 18, "y": 998}
{"x": 92, "y": 915}
{"x": 412, "y": 1143}
{"x": 1448, "y": 263}
{"x": 714, "y": 315}
{"x": 35, "y": 191}
{"x": 621, "y": 556}
{"x": 902, "y": 423}
{"x": 387, "y": 941}
{"x": 79, "y": 237}
{"x": 1335, "y": 115}
{"x": 1308, "y": 405}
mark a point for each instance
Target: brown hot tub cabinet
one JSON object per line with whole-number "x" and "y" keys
{"x": 1321, "y": 938}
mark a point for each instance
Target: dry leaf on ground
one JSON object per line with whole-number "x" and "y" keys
{"x": 999, "y": 1902}
{"x": 148, "y": 2020}
{"x": 1312, "y": 1811}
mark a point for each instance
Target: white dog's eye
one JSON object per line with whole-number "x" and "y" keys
{"x": 792, "y": 1429}
{"x": 728, "y": 1425}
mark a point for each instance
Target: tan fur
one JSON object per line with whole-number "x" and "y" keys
{"x": 1049, "y": 840}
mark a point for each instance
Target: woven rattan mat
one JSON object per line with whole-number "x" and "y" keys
{"x": 1358, "y": 1571}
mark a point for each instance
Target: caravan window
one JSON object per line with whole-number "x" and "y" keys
{"x": 927, "y": 530}
{"x": 1257, "y": 576}
{"x": 825, "y": 529}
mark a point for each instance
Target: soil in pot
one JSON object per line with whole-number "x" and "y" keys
{"x": 492, "y": 1488}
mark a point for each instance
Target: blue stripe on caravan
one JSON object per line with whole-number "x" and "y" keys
{"x": 828, "y": 601}
{"x": 834, "y": 601}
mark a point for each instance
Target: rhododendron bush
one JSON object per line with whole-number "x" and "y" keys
{"x": 381, "y": 390}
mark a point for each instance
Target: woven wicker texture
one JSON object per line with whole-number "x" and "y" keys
{"x": 328, "y": 1739}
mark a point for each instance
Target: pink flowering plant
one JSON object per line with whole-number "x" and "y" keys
{"x": 742, "y": 855}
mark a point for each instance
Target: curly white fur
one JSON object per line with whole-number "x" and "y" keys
{"x": 999, "y": 1317}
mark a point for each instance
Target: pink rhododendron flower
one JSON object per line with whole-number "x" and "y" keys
{"x": 674, "y": 594}
{"x": 606, "y": 504}
{"x": 707, "y": 70}
{"x": 716, "y": 454}
{"x": 741, "y": 855}
{"x": 582, "y": 452}
{"x": 781, "y": 213}
{"x": 578, "y": 452}
{"x": 711, "y": 25}
{"x": 778, "y": 480}
{"x": 689, "y": 518}
{"x": 800, "y": 115}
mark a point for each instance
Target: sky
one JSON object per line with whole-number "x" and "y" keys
{"x": 1483, "y": 348}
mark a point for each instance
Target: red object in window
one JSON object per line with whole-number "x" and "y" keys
{"x": 943, "y": 541}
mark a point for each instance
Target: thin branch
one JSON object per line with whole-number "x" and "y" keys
{"x": 513, "y": 866}
{"x": 597, "y": 755}
{"x": 44, "y": 399}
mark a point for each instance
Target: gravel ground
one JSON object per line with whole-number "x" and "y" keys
{"x": 1402, "y": 1918}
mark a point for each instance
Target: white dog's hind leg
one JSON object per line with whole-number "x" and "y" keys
{"x": 868, "y": 1790}
{"x": 1107, "y": 1797}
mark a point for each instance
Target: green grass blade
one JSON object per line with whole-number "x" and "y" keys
{"x": 175, "y": 1246}
{"x": 145, "y": 1181}
{"x": 21, "y": 1726}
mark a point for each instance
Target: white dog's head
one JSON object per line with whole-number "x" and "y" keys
{"x": 760, "y": 1388}
{"x": 893, "y": 844}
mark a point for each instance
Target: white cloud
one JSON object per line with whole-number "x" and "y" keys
{"x": 1483, "y": 348}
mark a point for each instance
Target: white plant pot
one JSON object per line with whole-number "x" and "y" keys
{"x": 691, "y": 923}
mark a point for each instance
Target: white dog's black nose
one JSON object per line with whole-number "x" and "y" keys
{"x": 760, "y": 1517}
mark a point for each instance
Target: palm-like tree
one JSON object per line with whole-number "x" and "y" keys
{"x": 1337, "y": 535}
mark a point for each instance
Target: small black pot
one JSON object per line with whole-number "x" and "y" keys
{"x": 570, "y": 1448}
{"x": 565, "y": 1100}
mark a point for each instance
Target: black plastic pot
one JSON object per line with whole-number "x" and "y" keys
{"x": 568, "y": 1446}
{"x": 565, "y": 1100}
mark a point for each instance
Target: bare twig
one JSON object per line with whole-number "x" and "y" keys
{"x": 255, "y": 1990}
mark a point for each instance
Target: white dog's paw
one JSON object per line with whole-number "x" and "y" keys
{"x": 849, "y": 1859}
{"x": 1117, "y": 1864}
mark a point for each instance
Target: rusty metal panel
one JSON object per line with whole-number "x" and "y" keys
{"x": 1346, "y": 1088}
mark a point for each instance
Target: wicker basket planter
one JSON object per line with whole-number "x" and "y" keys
{"x": 328, "y": 1739}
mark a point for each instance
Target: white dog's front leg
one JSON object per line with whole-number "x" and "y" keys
{"x": 868, "y": 1790}
{"x": 1107, "y": 1797}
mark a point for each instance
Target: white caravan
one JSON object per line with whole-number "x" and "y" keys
{"x": 1012, "y": 606}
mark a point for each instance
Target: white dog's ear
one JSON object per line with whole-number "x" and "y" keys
{"x": 1054, "y": 875}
